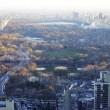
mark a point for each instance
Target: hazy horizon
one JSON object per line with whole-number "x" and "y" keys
{"x": 54, "y": 5}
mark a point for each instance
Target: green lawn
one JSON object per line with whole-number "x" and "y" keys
{"x": 63, "y": 53}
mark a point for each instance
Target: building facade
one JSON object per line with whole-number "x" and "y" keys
{"x": 6, "y": 104}
{"x": 102, "y": 92}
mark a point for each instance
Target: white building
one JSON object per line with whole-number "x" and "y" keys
{"x": 6, "y": 104}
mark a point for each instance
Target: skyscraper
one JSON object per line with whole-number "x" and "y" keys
{"x": 102, "y": 92}
{"x": 67, "y": 100}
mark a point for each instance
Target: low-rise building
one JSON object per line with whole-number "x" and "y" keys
{"x": 6, "y": 104}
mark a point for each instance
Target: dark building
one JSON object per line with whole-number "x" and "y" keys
{"x": 102, "y": 92}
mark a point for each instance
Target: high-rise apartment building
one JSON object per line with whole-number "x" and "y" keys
{"x": 102, "y": 92}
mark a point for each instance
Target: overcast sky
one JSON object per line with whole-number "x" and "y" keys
{"x": 57, "y": 5}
